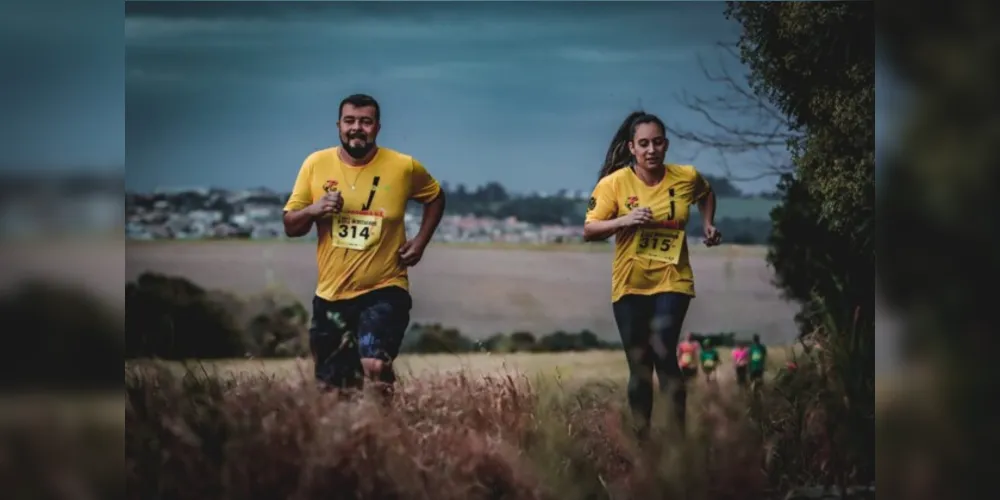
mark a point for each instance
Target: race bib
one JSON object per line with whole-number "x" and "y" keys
{"x": 356, "y": 230}
{"x": 660, "y": 244}
{"x": 709, "y": 363}
{"x": 686, "y": 359}
{"x": 755, "y": 356}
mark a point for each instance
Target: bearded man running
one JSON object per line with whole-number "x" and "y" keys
{"x": 356, "y": 196}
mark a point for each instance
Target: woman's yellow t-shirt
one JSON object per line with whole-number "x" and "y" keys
{"x": 652, "y": 258}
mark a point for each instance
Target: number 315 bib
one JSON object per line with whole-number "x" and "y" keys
{"x": 660, "y": 244}
{"x": 356, "y": 230}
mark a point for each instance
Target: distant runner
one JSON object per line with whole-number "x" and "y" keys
{"x": 687, "y": 357}
{"x": 758, "y": 359}
{"x": 644, "y": 204}
{"x": 356, "y": 195}
{"x": 741, "y": 358}
{"x": 709, "y": 359}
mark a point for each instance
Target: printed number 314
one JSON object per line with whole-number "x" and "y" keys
{"x": 352, "y": 231}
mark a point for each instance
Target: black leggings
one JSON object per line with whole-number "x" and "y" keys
{"x": 650, "y": 326}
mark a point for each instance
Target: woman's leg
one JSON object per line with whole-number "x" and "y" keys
{"x": 669, "y": 310}
{"x": 632, "y": 315}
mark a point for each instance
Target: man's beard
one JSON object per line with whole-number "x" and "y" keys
{"x": 357, "y": 152}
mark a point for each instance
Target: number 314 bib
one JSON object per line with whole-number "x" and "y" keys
{"x": 660, "y": 244}
{"x": 356, "y": 230}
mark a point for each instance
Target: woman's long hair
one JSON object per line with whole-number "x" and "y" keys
{"x": 618, "y": 155}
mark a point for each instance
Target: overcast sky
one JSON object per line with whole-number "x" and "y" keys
{"x": 61, "y": 94}
{"x": 237, "y": 94}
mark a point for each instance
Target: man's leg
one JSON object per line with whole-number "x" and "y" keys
{"x": 334, "y": 348}
{"x": 382, "y": 322}
{"x": 632, "y": 315}
{"x": 669, "y": 310}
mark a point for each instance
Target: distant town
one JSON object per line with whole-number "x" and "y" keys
{"x": 256, "y": 214}
{"x": 34, "y": 205}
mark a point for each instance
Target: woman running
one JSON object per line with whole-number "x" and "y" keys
{"x": 758, "y": 359}
{"x": 709, "y": 359}
{"x": 644, "y": 203}
{"x": 687, "y": 357}
{"x": 741, "y": 357}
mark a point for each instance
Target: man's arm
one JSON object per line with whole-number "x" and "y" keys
{"x": 298, "y": 222}
{"x": 298, "y": 217}
{"x": 426, "y": 190}
{"x": 433, "y": 211}
{"x": 301, "y": 211}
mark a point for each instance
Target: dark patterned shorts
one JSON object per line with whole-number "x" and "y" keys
{"x": 368, "y": 326}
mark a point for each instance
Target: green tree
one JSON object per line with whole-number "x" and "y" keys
{"x": 812, "y": 62}
{"x": 938, "y": 225}
{"x": 815, "y": 63}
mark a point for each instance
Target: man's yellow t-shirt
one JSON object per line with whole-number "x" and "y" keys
{"x": 653, "y": 258}
{"x": 357, "y": 251}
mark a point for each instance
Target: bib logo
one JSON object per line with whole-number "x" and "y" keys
{"x": 330, "y": 185}
{"x": 592, "y": 204}
{"x": 632, "y": 202}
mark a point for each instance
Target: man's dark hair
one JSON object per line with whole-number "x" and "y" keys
{"x": 360, "y": 101}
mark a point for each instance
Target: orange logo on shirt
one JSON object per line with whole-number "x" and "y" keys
{"x": 330, "y": 185}
{"x": 632, "y": 202}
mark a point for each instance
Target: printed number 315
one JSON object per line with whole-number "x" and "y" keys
{"x": 664, "y": 244}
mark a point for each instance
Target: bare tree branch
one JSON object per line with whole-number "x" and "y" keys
{"x": 740, "y": 122}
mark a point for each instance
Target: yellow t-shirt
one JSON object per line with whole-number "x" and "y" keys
{"x": 654, "y": 258}
{"x": 357, "y": 251}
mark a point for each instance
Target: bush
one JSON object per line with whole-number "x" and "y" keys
{"x": 561, "y": 341}
{"x": 172, "y": 318}
{"x": 59, "y": 337}
{"x": 435, "y": 339}
{"x": 275, "y": 325}
{"x": 718, "y": 339}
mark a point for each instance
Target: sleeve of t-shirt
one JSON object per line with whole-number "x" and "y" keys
{"x": 302, "y": 191}
{"x": 602, "y": 204}
{"x": 424, "y": 188}
{"x": 701, "y": 186}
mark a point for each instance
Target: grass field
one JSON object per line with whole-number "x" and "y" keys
{"x": 483, "y": 291}
{"x": 487, "y": 289}
{"x": 573, "y": 367}
{"x": 519, "y": 426}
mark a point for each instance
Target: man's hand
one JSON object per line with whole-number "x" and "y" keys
{"x": 412, "y": 251}
{"x": 712, "y": 236}
{"x": 637, "y": 217}
{"x": 331, "y": 202}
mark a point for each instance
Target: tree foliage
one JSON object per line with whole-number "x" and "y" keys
{"x": 61, "y": 337}
{"x": 172, "y": 318}
{"x": 815, "y": 62}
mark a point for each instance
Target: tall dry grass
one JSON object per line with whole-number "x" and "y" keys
{"x": 457, "y": 437}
